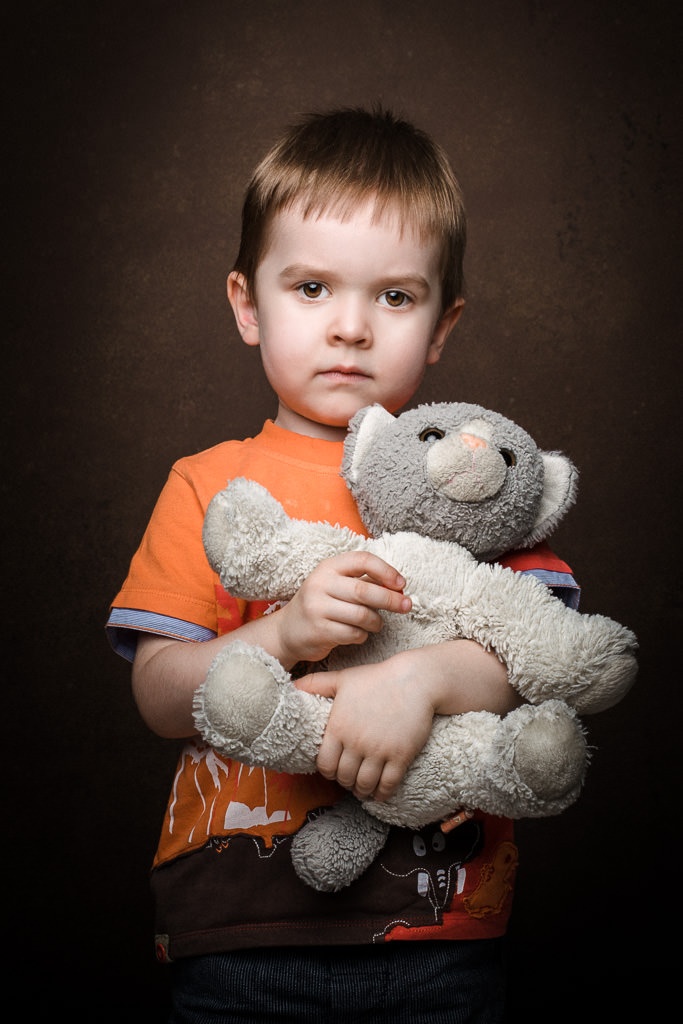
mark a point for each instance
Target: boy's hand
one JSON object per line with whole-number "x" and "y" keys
{"x": 380, "y": 720}
{"x": 337, "y": 604}
{"x": 382, "y": 714}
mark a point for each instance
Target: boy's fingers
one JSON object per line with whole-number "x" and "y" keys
{"x": 378, "y": 597}
{"x": 367, "y": 778}
{"x": 363, "y": 563}
{"x": 348, "y": 768}
{"x": 390, "y": 780}
{"x": 323, "y": 683}
{"x": 328, "y": 757}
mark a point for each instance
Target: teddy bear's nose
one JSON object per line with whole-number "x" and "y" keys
{"x": 471, "y": 441}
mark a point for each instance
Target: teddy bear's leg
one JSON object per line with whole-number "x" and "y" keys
{"x": 551, "y": 755}
{"x": 531, "y": 763}
{"x": 334, "y": 849}
{"x": 248, "y": 708}
{"x": 535, "y": 763}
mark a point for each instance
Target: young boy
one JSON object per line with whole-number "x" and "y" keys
{"x": 349, "y": 279}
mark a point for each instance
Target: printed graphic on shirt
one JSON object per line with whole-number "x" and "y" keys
{"x": 216, "y": 796}
{"x": 432, "y": 864}
{"x": 450, "y": 877}
{"x": 495, "y": 884}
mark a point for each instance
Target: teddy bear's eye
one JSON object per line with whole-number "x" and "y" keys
{"x": 432, "y": 434}
{"x": 509, "y": 457}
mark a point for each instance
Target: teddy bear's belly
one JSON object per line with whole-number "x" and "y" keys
{"x": 399, "y": 633}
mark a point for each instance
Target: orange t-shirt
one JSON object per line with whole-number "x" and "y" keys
{"x": 222, "y": 875}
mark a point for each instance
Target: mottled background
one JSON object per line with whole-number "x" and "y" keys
{"x": 129, "y": 133}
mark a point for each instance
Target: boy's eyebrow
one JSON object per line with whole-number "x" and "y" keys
{"x": 295, "y": 270}
{"x": 301, "y": 271}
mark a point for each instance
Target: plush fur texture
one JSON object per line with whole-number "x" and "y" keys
{"x": 443, "y": 488}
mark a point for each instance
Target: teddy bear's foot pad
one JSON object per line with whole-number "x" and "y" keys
{"x": 551, "y": 754}
{"x": 335, "y": 848}
{"x": 248, "y": 708}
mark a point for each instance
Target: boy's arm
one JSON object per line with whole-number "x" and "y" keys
{"x": 382, "y": 713}
{"x": 339, "y": 603}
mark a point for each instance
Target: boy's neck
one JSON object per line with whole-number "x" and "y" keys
{"x": 297, "y": 424}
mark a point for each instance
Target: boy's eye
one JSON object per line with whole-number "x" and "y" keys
{"x": 312, "y": 289}
{"x": 395, "y": 299}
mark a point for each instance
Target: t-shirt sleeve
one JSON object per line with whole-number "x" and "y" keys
{"x": 170, "y": 587}
{"x": 542, "y": 562}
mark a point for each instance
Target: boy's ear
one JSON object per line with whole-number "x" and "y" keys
{"x": 243, "y": 307}
{"x": 443, "y": 328}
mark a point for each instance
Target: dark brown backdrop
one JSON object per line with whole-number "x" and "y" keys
{"x": 130, "y": 130}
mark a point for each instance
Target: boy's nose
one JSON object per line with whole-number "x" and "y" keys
{"x": 350, "y": 324}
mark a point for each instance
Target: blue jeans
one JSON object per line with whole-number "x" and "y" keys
{"x": 400, "y": 982}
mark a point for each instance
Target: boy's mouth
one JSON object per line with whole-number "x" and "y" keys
{"x": 350, "y": 373}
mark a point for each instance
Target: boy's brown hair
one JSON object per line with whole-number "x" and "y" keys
{"x": 332, "y": 161}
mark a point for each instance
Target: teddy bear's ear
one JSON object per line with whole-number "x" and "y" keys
{"x": 363, "y": 429}
{"x": 560, "y": 480}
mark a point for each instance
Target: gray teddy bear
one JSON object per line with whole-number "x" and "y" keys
{"x": 444, "y": 489}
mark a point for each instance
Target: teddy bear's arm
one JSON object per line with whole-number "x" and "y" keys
{"x": 550, "y": 650}
{"x": 258, "y": 551}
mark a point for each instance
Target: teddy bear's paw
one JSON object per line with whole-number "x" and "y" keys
{"x": 239, "y": 531}
{"x": 613, "y": 680}
{"x": 588, "y": 661}
{"x": 335, "y": 848}
{"x": 238, "y": 698}
{"x": 248, "y": 708}
{"x": 550, "y": 755}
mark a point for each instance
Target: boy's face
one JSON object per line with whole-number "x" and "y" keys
{"x": 347, "y": 313}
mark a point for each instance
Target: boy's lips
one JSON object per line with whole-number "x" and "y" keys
{"x": 345, "y": 373}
